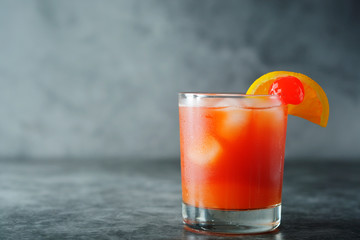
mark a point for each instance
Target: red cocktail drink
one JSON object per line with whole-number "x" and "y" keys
{"x": 232, "y": 158}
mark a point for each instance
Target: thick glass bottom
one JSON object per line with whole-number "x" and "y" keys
{"x": 232, "y": 221}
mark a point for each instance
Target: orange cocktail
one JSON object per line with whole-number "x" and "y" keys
{"x": 232, "y": 151}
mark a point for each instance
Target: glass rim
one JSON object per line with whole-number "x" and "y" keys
{"x": 199, "y": 99}
{"x": 225, "y": 95}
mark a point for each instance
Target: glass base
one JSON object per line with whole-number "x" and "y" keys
{"x": 232, "y": 221}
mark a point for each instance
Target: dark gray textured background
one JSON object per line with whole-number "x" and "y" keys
{"x": 100, "y": 78}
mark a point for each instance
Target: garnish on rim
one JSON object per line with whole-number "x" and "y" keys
{"x": 313, "y": 105}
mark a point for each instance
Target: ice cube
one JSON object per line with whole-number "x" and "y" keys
{"x": 234, "y": 122}
{"x": 273, "y": 115}
{"x": 227, "y": 102}
{"x": 218, "y": 102}
{"x": 249, "y": 102}
{"x": 199, "y": 102}
{"x": 271, "y": 121}
{"x": 204, "y": 150}
{"x": 260, "y": 102}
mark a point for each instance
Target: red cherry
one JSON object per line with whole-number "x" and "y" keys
{"x": 289, "y": 88}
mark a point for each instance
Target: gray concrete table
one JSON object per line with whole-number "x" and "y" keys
{"x": 133, "y": 199}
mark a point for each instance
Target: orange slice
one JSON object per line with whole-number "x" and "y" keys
{"x": 314, "y": 107}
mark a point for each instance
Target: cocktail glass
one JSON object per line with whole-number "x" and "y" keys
{"x": 232, "y": 159}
